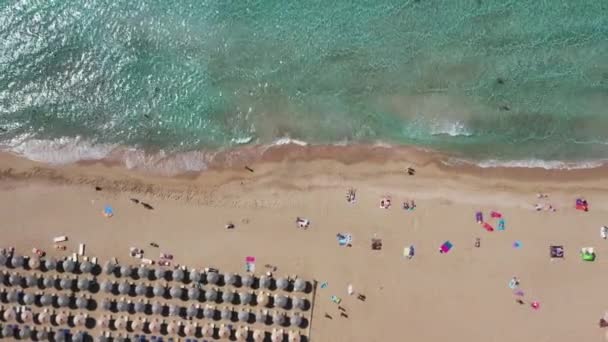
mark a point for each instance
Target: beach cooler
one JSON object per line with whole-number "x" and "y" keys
{"x": 488, "y": 227}
{"x": 445, "y": 247}
{"x": 501, "y": 224}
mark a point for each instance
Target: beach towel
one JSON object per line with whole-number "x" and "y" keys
{"x": 108, "y": 211}
{"x": 582, "y": 204}
{"x": 336, "y": 299}
{"x": 445, "y": 247}
{"x": 479, "y": 217}
{"x": 556, "y": 251}
{"x": 495, "y": 214}
{"x": 501, "y": 224}
{"x": 488, "y": 227}
{"x": 344, "y": 239}
{"x": 409, "y": 252}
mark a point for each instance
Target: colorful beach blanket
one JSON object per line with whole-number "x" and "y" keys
{"x": 446, "y": 247}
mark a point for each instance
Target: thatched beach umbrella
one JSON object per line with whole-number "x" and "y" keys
{"x": 228, "y": 296}
{"x": 172, "y": 328}
{"x": 208, "y": 312}
{"x": 137, "y": 324}
{"x": 82, "y": 302}
{"x": 143, "y": 272}
{"x": 195, "y": 276}
{"x": 26, "y": 316}
{"x": 158, "y": 290}
{"x": 50, "y": 264}
{"x": 120, "y": 323}
{"x": 277, "y": 335}
{"x": 86, "y": 267}
{"x": 25, "y": 332}
{"x": 194, "y": 293}
{"x": 31, "y": 280}
{"x": 46, "y": 299}
{"x": 293, "y": 336}
{"x": 61, "y": 318}
{"x": 300, "y": 303}
{"x": 178, "y": 274}
{"x": 245, "y": 298}
{"x": 83, "y": 284}
{"x": 230, "y": 279}
{"x": 12, "y": 296}
{"x": 280, "y": 301}
{"x": 174, "y": 310}
{"x": 8, "y": 331}
{"x": 190, "y": 329}
{"x": 63, "y": 300}
{"x": 212, "y": 277}
{"x": 122, "y": 306}
{"x": 106, "y": 304}
{"x": 141, "y": 289}
{"x": 43, "y": 317}
{"x": 139, "y": 306}
{"x": 295, "y": 319}
{"x": 17, "y": 261}
{"x": 15, "y": 279}
{"x": 33, "y": 263}
{"x": 223, "y": 332}
{"x": 3, "y": 278}
{"x": 258, "y": 335}
{"x": 29, "y": 298}
{"x": 154, "y": 326}
{"x": 262, "y": 299}
{"x": 126, "y": 271}
{"x": 261, "y": 316}
{"x": 104, "y": 321}
{"x": 175, "y": 291}
{"x": 247, "y": 280}
{"x": 299, "y": 285}
{"x": 9, "y": 315}
{"x": 192, "y": 311}
{"x": 282, "y": 283}
{"x": 207, "y": 330}
{"x": 48, "y": 282}
{"x": 106, "y": 286}
{"x": 68, "y": 265}
{"x": 278, "y": 318}
{"x": 109, "y": 267}
{"x": 124, "y": 288}
{"x": 157, "y": 308}
{"x": 42, "y": 334}
{"x": 159, "y": 273}
{"x": 61, "y": 335}
{"x": 265, "y": 282}
{"x": 226, "y": 314}
{"x": 66, "y": 283}
{"x": 241, "y": 334}
{"x": 79, "y": 319}
{"x": 79, "y": 336}
{"x": 243, "y": 316}
{"x": 3, "y": 259}
{"x": 211, "y": 295}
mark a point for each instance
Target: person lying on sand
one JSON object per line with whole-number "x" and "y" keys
{"x": 385, "y": 203}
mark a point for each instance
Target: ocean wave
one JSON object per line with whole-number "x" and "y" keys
{"x": 289, "y": 141}
{"x": 450, "y": 128}
{"x": 537, "y": 164}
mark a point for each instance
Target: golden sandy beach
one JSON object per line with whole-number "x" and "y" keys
{"x": 462, "y": 295}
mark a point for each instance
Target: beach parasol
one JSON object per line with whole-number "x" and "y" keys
{"x": 8, "y": 331}
{"x": 228, "y": 296}
{"x": 154, "y": 326}
{"x": 280, "y": 301}
{"x": 195, "y": 276}
{"x": 282, "y": 283}
{"x": 12, "y": 296}
{"x": 79, "y": 336}
{"x": 50, "y": 264}
{"x": 261, "y": 316}
{"x": 190, "y": 329}
{"x": 68, "y": 265}
{"x": 178, "y": 274}
{"x": 194, "y": 293}
{"x": 245, "y": 298}
{"x": 42, "y": 335}
{"x": 86, "y": 267}
{"x": 46, "y": 299}
{"x": 106, "y": 304}
{"x": 158, "y": 290}
{"x": 278, "y": 318}
{"x": 243, "y": 316}
{"x": 265, "y": 282}
{"x": 63, "y": 300}
{"x": 277, "y": 335}
{"x": 208, "y": 312}
{"x": 83, "y": 284}
{"x": 258, "y": 335}
{"x": 79, "y": 319}
{"x": 43, "y": 317}
{"x": 33, "y": 263}
{"x": 103, "y": 321}
{"x": 211, "y": 295}
{"x": 171, "y": 328}
{"x": 31, "y": 280}
{"x": 106, "y": 286}
{"x": 175, "y": 292}
{"x": 3, "y": 259}
{"x": 120, "y": 323}
{"x": 143, "y": 272}
{"x": 61, "y": 336}
{"x": 124, "y": 288}
{"x": 226, "y": 314}
{"x": 26, "y": 316}
{"x": 17, "y": 261}
{"x": 48, "y": 282}
{"x": 109, "y": 267}
{"x": 82, "y": 302}
{"x": 122, "y": 306}
{"x": 207, "y": 330}
{"x": 299, "y": 285}
{"x": 9, "y": 315}
{"x": 141, "y": 289}
{"x": 61, "y": 319}
{"x": 125, "y": 271}
{"x": 66, "y": 284}
{"x": 159, "y": 273}
{"x": 262, "y": 299}
{"x": 247, "y": 280}
{"x": 192, "y": 311}
{"x": 223, "y": 332}
{"x": 15, "y": 279}
{"x": 102, "y": 338}
{"x": 29, "y": 298}
{"x": 230, "y": 279}
{"x": 25, "y": 332}
{"x": 173, "y": 310}
{"x": 293, "y": 336}
{"x": 295, "y": 319}
{"x": 241, "y": 334}
{"x": 299, "y": 303}
{"x": 137, "y": 324}
{"x": 3, "y": 277}
{"x": 157, "y": 308}
{"x": 212, "y": 277}
{"x": 139, "y": 307}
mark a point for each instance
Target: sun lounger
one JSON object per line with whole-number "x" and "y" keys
{"x": 81, "y": 248}
{"x": 62, "y": 238}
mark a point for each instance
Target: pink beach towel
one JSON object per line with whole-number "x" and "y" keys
{"x": 488, "y": 227}
{"x": 495, "y": 214}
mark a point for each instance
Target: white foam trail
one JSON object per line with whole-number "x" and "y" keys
{"x": 453, "y": 129}
{"x": 289, "y": 141}
{"x": 64, "y": 150}
{"x": 531, "y": 163}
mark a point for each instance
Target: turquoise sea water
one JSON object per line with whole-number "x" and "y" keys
{"x": 483, "y": 79}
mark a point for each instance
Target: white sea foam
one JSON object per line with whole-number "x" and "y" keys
{"x": 451, "y": 128}
{"x": 289, "y": 141}
{"x": 540, "y": 164}
{"x": 62, "y": 150}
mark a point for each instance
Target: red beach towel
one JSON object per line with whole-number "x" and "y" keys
{"x": 488, "y": 227}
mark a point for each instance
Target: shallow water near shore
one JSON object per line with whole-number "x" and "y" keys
{"x": 500, "y": 83}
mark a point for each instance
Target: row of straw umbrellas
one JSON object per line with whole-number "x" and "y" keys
{"x": 47, "y": 264}
{"x": 44, "y": 299}
{"x": 43, "y": 317}
{"x": 46, "y": 281}
{"x": 25, "y": 332}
